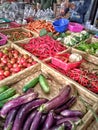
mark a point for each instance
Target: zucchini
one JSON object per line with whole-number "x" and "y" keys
{"x": 44, "y": 84}
{"x": 8, "y": 93}
{"x": 3, "y": 88}
{"x": 31, "y": 84}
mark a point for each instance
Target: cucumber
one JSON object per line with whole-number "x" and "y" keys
{"x": 8, "y": 99}
{"x": 44, "y": 84}
{"x": 8, "y": 93}
{"x": 3, "y": 88}
{"x": 31, "y": 84}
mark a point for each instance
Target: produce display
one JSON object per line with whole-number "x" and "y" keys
{"x": 43, "y": 47}
{"x": 17, "y": 35}
{"x": 40, "y": 97}
{"x": 11, "y": 62}
{"x": 37, "y": 25}
{"x": 7, "y": 94}
{"x": 75, "y": 38}
{"x": 28, "y": 112}
{"x": 82, "y": 76}
{"x": 91, "y": 48}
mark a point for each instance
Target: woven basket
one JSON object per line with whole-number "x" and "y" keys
{"x": 22, "y": 74}
{"x": 19, "y": 43}
{"x": 56, "y": 82}
{"x": 7, "y": 32}
{"x": 87, "y": 56}
{"x": 86, "y": 65}
{"x": 91, "y": 58}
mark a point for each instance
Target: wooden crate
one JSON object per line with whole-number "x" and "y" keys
{"x": 22, "y": 74}
{"x": 19, "y": 29}
{"x": 56, "y": 82}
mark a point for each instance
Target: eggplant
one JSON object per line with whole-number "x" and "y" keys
{"x": 17, "y": 102}
{"x": 66, "y": 105}
{"x": 24, "y": 110}
{"x": 71, "y": 113}
{"x": 42, "y": 120}
{"x": 10, "y": 119}
{"x": 65, "y": 120}
{"x": 57, "y": 101}
{"x": 36, "y": 121}
{"x": 29, "y": 120}
{"x": 49, "y": 121}
{"x": 57, "y": 117}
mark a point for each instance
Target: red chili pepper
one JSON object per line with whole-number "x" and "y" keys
{"x": 44, "y": 47}
{"x": 83, "y": 77}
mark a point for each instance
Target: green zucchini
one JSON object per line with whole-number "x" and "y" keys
{"x": 8, "y": 99}
{"x": 7, "y": 94}
{"x": 44, "y": 84}
{"x": 3, "y": 88}
{"x": 31, "y": 84}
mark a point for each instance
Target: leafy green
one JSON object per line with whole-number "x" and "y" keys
{"x": 50, "y": 34}
{"x": 43, "y": 32}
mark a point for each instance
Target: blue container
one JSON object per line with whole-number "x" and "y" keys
{"x": 61, "y": 25}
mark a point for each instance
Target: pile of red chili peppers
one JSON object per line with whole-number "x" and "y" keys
{"x": 43, "y": 47}
{"x": 83, "y": 77}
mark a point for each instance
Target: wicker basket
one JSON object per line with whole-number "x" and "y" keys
{"x": 19, "y": 29}
{"x": 87, "y": 56}
{"x": 19, "y": 43}
{"x": 22, "y": 74}
{"x": 86, "y": 65}
{"x": 91, "y": 58}
{"x": 56, "y": 82}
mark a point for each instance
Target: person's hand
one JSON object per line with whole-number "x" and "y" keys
{"x": 67, "y": 15}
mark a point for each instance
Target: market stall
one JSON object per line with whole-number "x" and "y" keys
{"x": 48, "y": 73}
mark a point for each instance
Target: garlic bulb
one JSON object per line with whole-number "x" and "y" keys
{"x": 75, "y": 57}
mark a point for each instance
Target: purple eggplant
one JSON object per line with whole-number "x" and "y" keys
{"x": 29, "y": 120}
{"x": 24, "y": 110}
{"x": 66, "y": 105}
{"x": 42, "y": 120}
{"x": 71, "y": 113}
{"x": 57, "y": 101}
{"x": 17, "y": 102}
{"x": 57, "y": 117}
{"x": 36, "y": 121}
{"x": 64, "y": 120}
{"x": 49, "y": 121}
{"x": 10, "y": 119}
